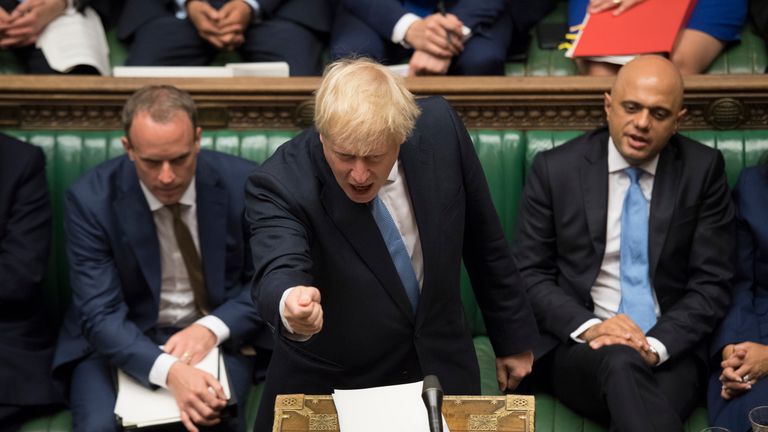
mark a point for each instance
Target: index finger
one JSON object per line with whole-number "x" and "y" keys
{"x": 218, "y": 390}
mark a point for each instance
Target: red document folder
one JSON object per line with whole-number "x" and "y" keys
{"x": 648, "y": 27}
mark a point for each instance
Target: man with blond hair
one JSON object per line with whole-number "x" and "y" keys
{"x": 358, "y": 229}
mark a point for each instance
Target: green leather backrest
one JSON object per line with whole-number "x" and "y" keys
{"x": 505, "y": 156}
{"x": 69, "y": 154}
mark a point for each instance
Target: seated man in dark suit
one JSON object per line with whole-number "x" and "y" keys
{"x": 466, "y": 37}
{"x": 26, "y": 337}
{"x": 625, "y": 239}
{"x": 358, "y": 229}
{"x": 156, "y": 245}
{"x": 191, "y": 32}
{"x": 56, "y": 36}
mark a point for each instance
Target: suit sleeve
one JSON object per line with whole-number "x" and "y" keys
{"x": 478, "y": 13}
{"x": 26, "y": 236}
{"x": 280, "y": 243}
{"x": 97, "y": 294}
{"x": 536, "y": 255}
{"x": 693, "y": 317}
{"x": 741, "y": 323}
{"x": 238, "y": 313}
{"x": 496, "y": 283}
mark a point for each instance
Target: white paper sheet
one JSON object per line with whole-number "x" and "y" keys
{"x": 383, "y": 409}
{"x": 265, "y": 69}
{"x": 75, "y": 39}
{"x": 139, "y": 406}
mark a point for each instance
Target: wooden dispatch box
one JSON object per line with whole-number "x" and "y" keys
{"x": 510, "y": 413}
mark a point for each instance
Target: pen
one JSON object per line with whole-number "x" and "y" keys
{"x": 441, "y": 9}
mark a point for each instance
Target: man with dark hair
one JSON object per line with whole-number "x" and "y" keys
{"x": 156, "y": 244}
{"x": 625, "y": 239}
{"x": 26, "y": 338}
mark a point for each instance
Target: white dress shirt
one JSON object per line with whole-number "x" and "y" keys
{"x": 606, "y": 292}
{"x": 177, "y": 300}
{"x": 394, "y": 195}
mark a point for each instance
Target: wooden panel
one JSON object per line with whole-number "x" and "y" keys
{"x": 522, "y": 103}
{"x": 510, "y": 413}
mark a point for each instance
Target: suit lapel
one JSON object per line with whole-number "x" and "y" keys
{"x": 594, "y": 183}
{"x": 417, "y": 161}
{"x": 663, "y": 200}
{"x": 135, "y": 220}
{"x": 212, "y": 226}
{"x": 356, "y": 224}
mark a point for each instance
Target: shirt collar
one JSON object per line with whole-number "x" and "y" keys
{"x": 394, "y": 173}
{"x": 616, "y": 161}
{"x": 188, "y": 198}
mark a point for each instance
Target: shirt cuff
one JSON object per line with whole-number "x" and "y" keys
{"x": 158, "y": 375}
{"x": 255, "y": 10}
{"x": 181, "y": 11}
{"x": 661, "y": 350}
{"x": 401, "y": 28}
{"x": 216, "y": 325}
{"x": 582, "y": 328}
{"x": 287, "y": 331}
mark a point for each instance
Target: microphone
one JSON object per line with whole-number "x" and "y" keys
{"x": 432, "y": 395}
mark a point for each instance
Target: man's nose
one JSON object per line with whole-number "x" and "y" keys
{"x": 643, "y": 119}
{"x": 166, "y": 175}
{"x": 359, "y": 172}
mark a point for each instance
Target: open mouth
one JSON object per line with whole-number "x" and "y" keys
{"x": 361, "y": 189}
{"x": 637, "y": 140}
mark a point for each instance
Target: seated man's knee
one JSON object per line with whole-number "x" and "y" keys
{"x": 479, "y": 62}
{"x": 621, "y": 359}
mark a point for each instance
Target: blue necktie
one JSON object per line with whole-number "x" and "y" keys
{"x": 397, "y": 250}
{"x": 636, "y": 295}
{"x": 421, "y": 8}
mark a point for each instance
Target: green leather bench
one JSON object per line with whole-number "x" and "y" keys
{"x": 505, "y": 156}
{"x": 748, "y": 57}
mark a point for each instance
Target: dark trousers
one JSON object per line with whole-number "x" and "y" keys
{"x": 484, "y": 53}
{"x": 614, "y": 386}
{"x": 169, "y": 41}
{"x": 93, "y": 394}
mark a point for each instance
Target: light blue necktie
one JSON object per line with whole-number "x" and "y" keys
{"x": 421, "y": 8}
{"x": 397, "y": 250}
{"x": 636, "y": 296}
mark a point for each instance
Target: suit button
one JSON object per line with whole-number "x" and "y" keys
{"x": 404, "y": 373}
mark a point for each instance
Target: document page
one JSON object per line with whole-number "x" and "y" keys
{"x": 138, "y": 406}
{"x": 75, "y": 39}
{"x": 383, "y": 409}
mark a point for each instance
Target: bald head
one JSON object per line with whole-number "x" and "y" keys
{"x": 653, "y": 71}
{"x": 645, "y": 107}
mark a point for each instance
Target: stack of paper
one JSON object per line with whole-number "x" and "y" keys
{"x": 265, "y": 69}
{"x": 383, "y": 409}
{"x": 138, "y": 406}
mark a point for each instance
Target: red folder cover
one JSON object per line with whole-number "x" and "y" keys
{"x": 648, "y": 27}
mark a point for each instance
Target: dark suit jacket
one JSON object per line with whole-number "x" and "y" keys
{"x": 561, "y": 239}
{"x": 382, "y": 15}
{"x": 313, "y": 14}
{"x": 114, "y": 261}
{"x": 26, "y": 338}
{"x": 747, "y": 319}
{"x": 305, "y": 231}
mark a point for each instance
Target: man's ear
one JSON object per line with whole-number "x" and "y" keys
{"x": 127, "y": 147}
{"x": 606, "y": 102}
{"x": 679, "y": 118}
{"x": 198, "y": 137}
